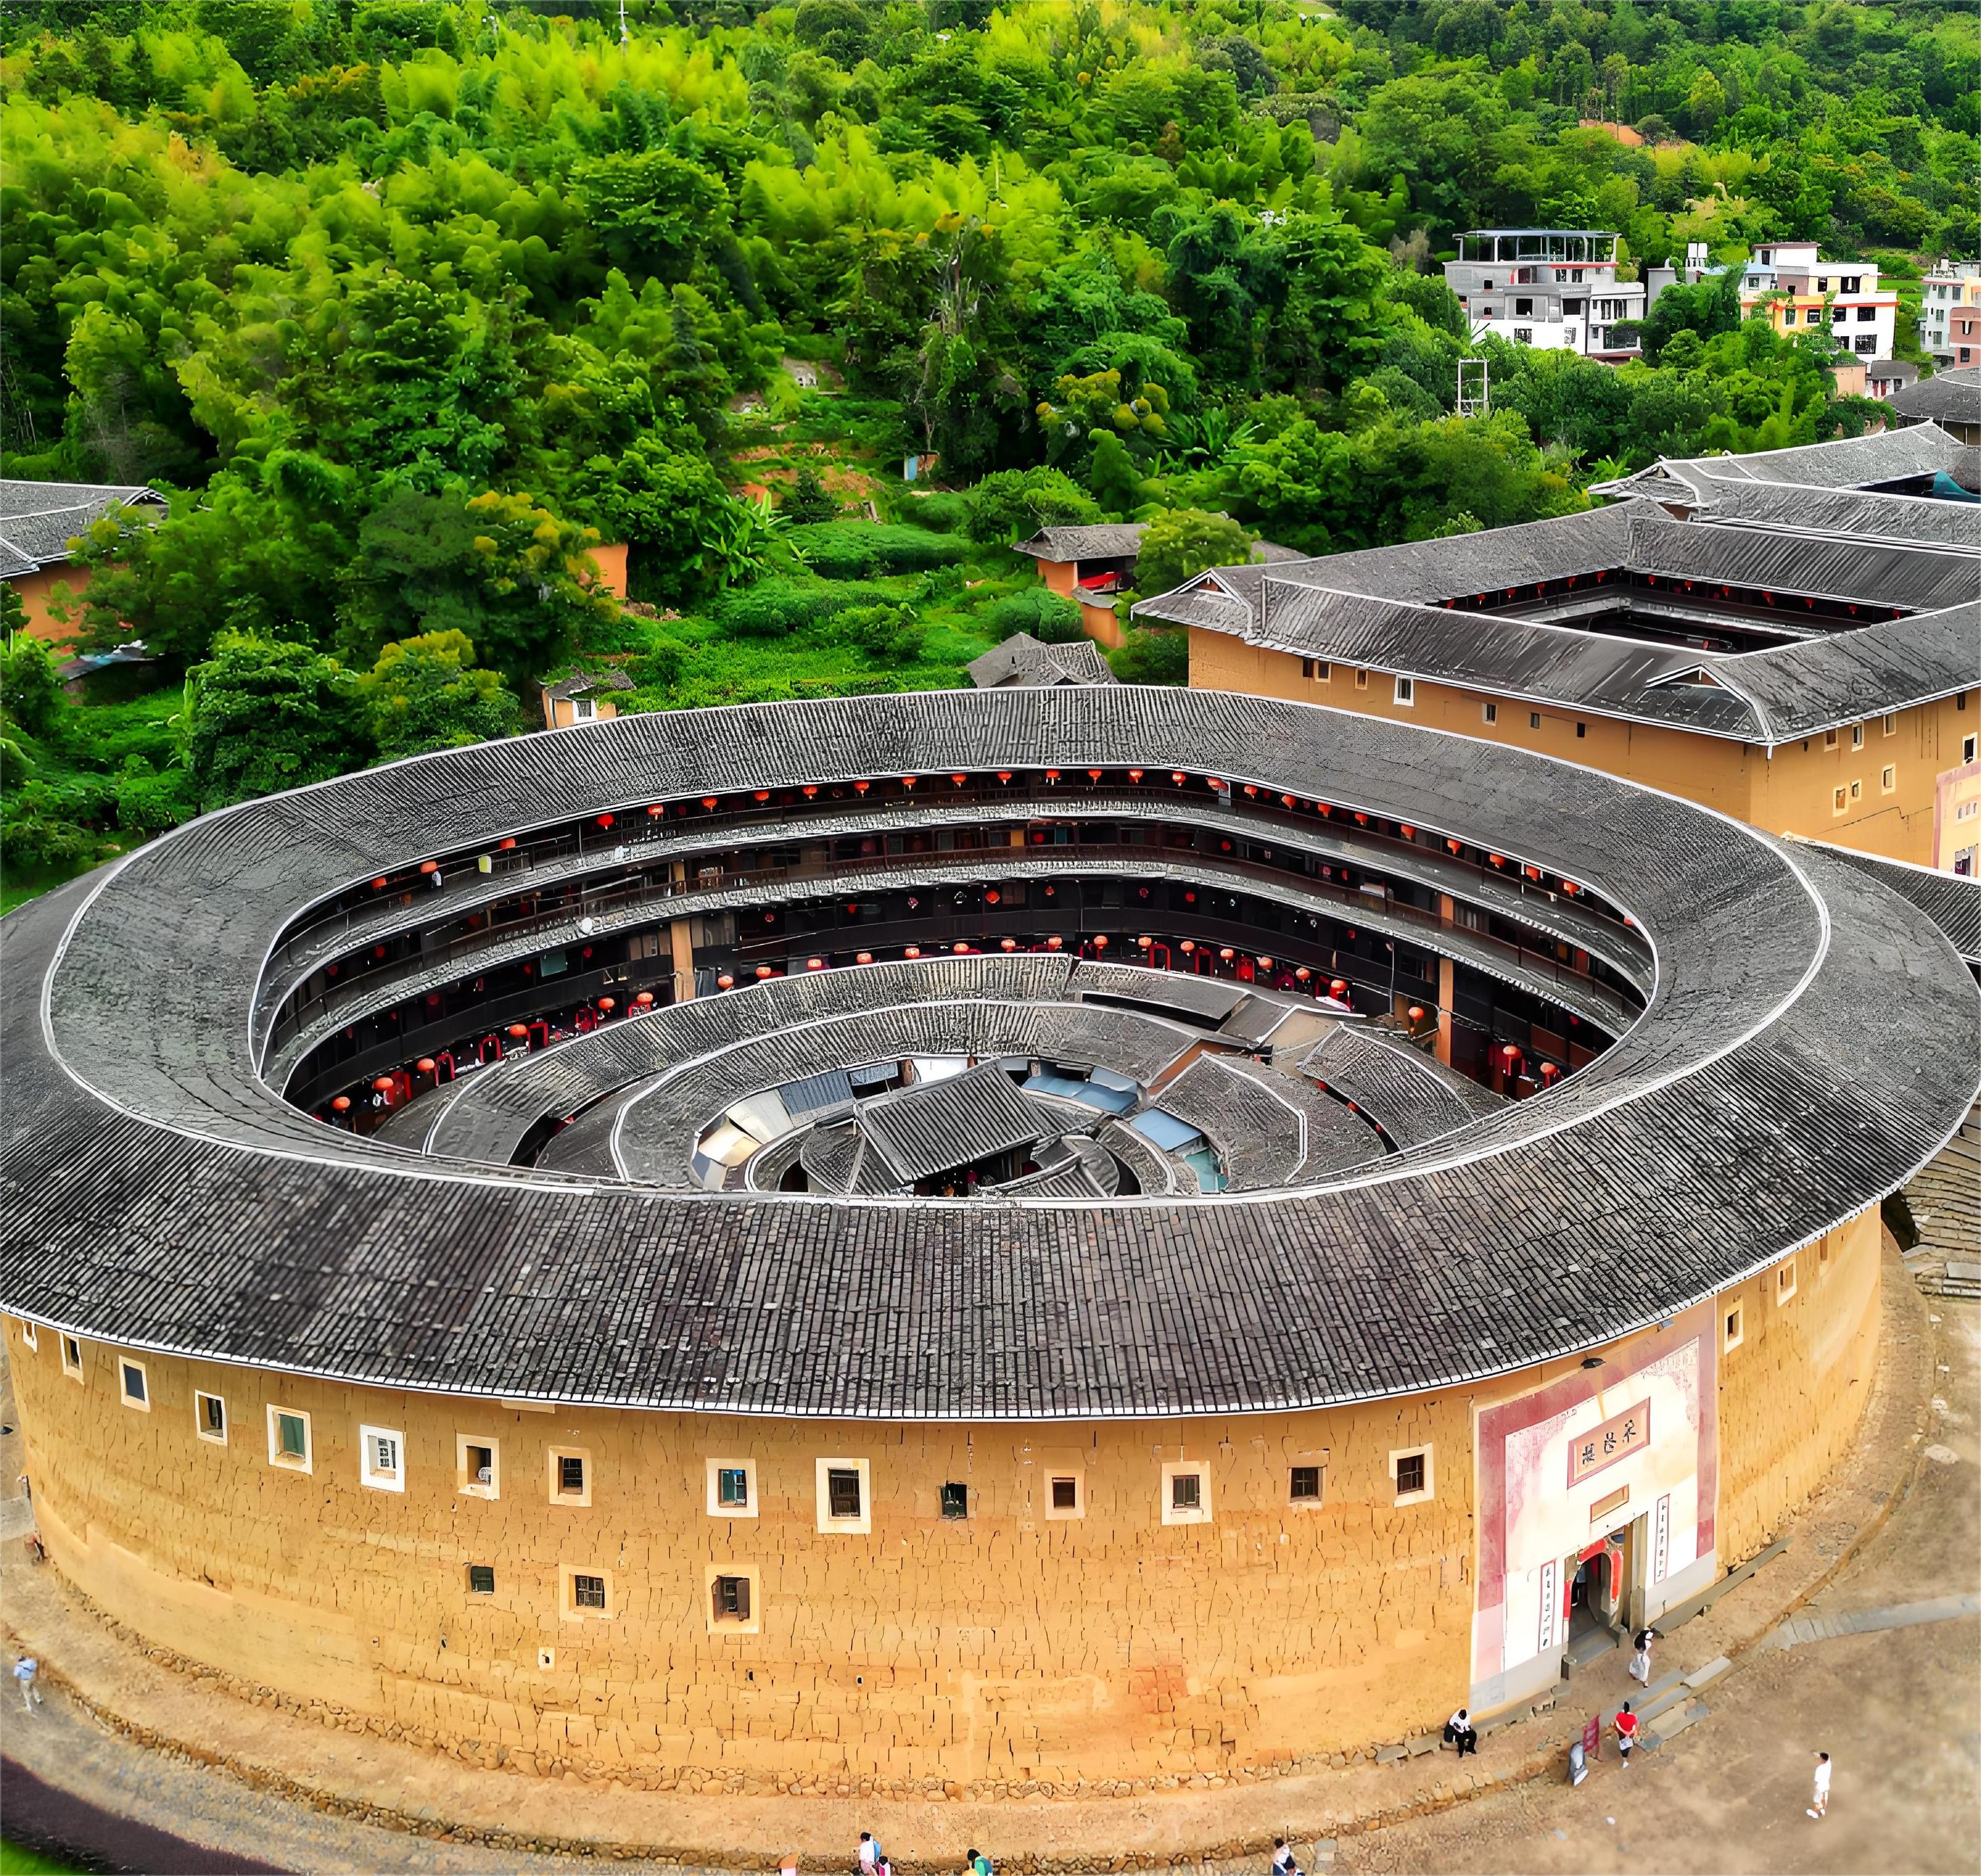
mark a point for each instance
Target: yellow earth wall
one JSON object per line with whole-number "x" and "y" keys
{"x": 1793, "y": 791}
{"x": 1010, "y": 1647}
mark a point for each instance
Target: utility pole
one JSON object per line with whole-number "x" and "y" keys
{"x": 625, "y": 38}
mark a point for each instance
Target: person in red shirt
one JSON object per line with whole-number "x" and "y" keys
{"x": 1626, "y": 1734}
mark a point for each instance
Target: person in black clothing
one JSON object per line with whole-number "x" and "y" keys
{"x": 1460, "y": 1731}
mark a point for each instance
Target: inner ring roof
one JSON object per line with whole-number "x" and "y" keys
{"x": 1807, "y": 1044}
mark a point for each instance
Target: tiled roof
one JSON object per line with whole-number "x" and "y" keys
{"x": 1389, "y": 610}
{"x": 1951, "y": 901}
{"x": 586, "y": 683}
{"x": 1105, "y": 540}
{"x": 1894, "y": 455}
{"x": 1946, "y": 397}
{"x": 1807, "y": 1044}
{"x": 1021, "y": 659}
{"x": 38, "y": 520}
{"x": 924, "y": 1131}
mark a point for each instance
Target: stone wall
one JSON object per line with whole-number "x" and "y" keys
{"x": 1007, "y": 1650}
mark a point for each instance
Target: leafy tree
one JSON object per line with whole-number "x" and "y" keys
{"x": 269, "y": 715}
{"x": 1152, "y": 658}
{"x": 689, "y": 537}
{"x": 1183, "y": 543}
{"x": 808, "y": 502}
{"x": 1049, "y": 616}
{"x": 426, "y": 693}
{"x": 1011, "y": 505}
{"x": 891, "y": 635}
{"x": 31, "y": 692}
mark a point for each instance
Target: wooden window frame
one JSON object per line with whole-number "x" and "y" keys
{"x": 752, "y": 1576}
{"x": 1426, "y": 1492}
{"x": 714, "y": 1470}
{"x": 72, "y": 1356}
{"x": 829, "y": 1525}
{"x": 200, "y": 1397}
{"x": 127, "y": 1366}
{"x": 467, "y": 1482}
{"x": 1076, "y": 1476}
{"x": 554, "y": 1458}
{"x": 570, "y": 1609}
{"x": 1306, "y": 1501}
{"x": 1197, "y": 1514}
{"x": 305, "y": 1461}
{"x": 1733, "y": 1328}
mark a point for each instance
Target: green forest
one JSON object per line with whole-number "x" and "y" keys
{"x": 407, "y": 305}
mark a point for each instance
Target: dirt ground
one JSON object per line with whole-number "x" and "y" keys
{"x": 1900, "y": 1714}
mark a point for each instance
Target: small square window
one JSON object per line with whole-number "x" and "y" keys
{"x": 1406, "y": 690}
{"x": 1490, "y": 712}
{"x": 481, "y": 1579}
{"x": 1411, "y": 1469}
{"x": 30, "y": 1336}
{"x": 1361, "y": 680}
{"x": 587, "y": 1593}
{"x": 570, "y": 1475}
{"x": 1186, "y": 1498}
{"x": 1857, "y": 735}
{"x": 1856, "y": 790}
{"x": 132, "y": 1380}
{"x": 1305, "y": 1489}
{"x": 1735, "y": 1329}
{"x": 289, "y": 1438}
{"x": 844, "y": 1502}
{"x": 382, "y": 1458}
{"x": 1830, "y": 739}
{"x": 731, "y": 1487}
{"x": 1066, "y": 1495}
{"x": 842, "y": 1485}
{"x": 1318, "y": 669}
{"x": 209, "y": 1413}
{"x": 1888, "y": 779}
{"x": 733, "y": 1599}
{"x": 1890, "y": 721}
{"x": 1785, "y": 1281}
{"x": 72, "y": 1355}
{"x": 477, "y": 1466}
{"x": 1533, "y": 719}
{"x": 1838, "y": 801}
{"x": 955, "y": 1500}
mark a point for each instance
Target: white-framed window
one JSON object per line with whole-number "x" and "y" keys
{"x": 1307, "y": 1486}
{"x": 845, "y": 1499}
{"x": 1857, "y": 735}
{"x": 1489, "y": 713}
{"x": 583, "y": 709}
{"x": 1830, "y": 739}
{"x": 289, "y": 1444}
{"x": 1407, "y": 690}
{"x": 569, "y": 1469}
{"x": 1785, "y": 1281}
{"x": 30, "y": 1336}
{"x": 1066, "y": 1493}
{"x": 1735, "y": 1328}
{"x": 72, "y": 1355}
{"x": 584, "y": 1593}
{"x": 732, "y": 1599}
{"x": 382, "y": 1458}
{"x": 209, "y": 1417}
{"x": 1890, "y": 722}
{"x": 1888, "y": 779}
{"x": 1857, "y": 791}
{"x": 1410, "y": 1472}
{"x": 1840, "y": 801}
{"x": 732, "y": 1487}
{"x": 134, "y": 1385}
{"x": 1361, "y": 680}
{"x": 478, "y": 1465}
{"x": 1186, "y": 1498}
{"x": 1318, "y": 669}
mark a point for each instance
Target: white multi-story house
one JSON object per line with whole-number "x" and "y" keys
{"x": 1802, "y": 292}
{"x": 1952, "y": 284}
{"x": 1554, "y": 288}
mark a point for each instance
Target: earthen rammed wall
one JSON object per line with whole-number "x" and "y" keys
{"x": 1007, "y": 1648}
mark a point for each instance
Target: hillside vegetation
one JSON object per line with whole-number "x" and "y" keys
{"x": 410, "y": 304}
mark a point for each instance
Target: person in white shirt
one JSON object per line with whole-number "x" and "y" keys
{"x": 1460, "y": 1731}
{"x": 25, "y": 1670}
{"x": 870, "y": 1853}
{"x": 1820, "y": 1801}
{"x": 1282, "y": 1859}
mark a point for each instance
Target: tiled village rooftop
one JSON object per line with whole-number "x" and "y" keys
{"x": 1805, "y": 1045}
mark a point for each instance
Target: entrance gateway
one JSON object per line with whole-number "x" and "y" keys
{"x": 1597, "y": 1496}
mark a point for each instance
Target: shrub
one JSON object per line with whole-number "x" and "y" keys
{"x": 808, "y": 503}
{"x": 1048, "y": 616}
{"x": 890, "y": 635}
{"x": 1152, "y": 658}
{"x": 774, "y": 608}
{"x": 856, "y": 550}
{"x": 1013, "y": 503}
{"x": 1185, "y": 543}
{"x": 941, "y": 513}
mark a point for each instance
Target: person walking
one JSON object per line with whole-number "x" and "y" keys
{"x": 870, "y": 1855}
{"x": 25, "y": 1672}
{"x": 1819, "y": 1799}
{"x": 1282, "y": 1859}
{"x": 1626, "y": 1734}
{"x": 1640, "y": 1656}
{"x": 1460, "y": 1731}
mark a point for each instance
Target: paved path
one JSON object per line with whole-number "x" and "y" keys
{"x": 1813, "y": 1625}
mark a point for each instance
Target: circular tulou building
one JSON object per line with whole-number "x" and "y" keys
{"x": 1050, "y": 1238}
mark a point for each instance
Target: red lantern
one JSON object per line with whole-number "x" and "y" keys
{"x": 725, "y": 981}
{"x": 1416, "y": 1012}
{"x": 1008, "y": 944}
{"x": 605, "y": 821}
{"x": 1189, "y": 945}
{"x": 378, "y": 885}
{"x": 1265, "y": 964}
{"x": 1408, "y": 833}
{"x": 1134, "y": 775}
{"x": 1004, "y": 774}
{"x": 1054, "y": 942}
{"x": 814, "y": 964}
{"x": 764, "y": 971}
{"x": 644, "y": 1000}
{"x": 861, "y": 787}
{"x": 1094, "y": 775}
{"x": 1303, "y": 974}
{"x": 1226, "y": 953}
{"x": 1339, "y": 988}
{"x": 1143, "y": 944}
{"x": 1455, "y": 846}
{"x": 709, "y": 802}
{"x": 993, "y": 897}
{"x": 519, "y": 1030}
{"x": 1251, "y": 791}
{"x": 959, "y": 780}
{"x": 425, "y": 1065}
{"x": 504, "y": 846}
{"x": 342, "y": 1103}
{"x": 908, "y": 781}
{"x": 1285, "y": 800}
{"x": 655, "y": 812}
{"x": 864, "y": 956}
{"x": 911, "y": 950}
{"x": 1510, "y": 1051}
{"x": 429, "y": 866}
{"x": 1052, "y": 774}
{"x": 608, "y": 1004}
{"x": 960, "y": 950}
{"x": 383, "y": 1084}
{"x": 1176, "y": 776}
{"x": 1100, "y": 943}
